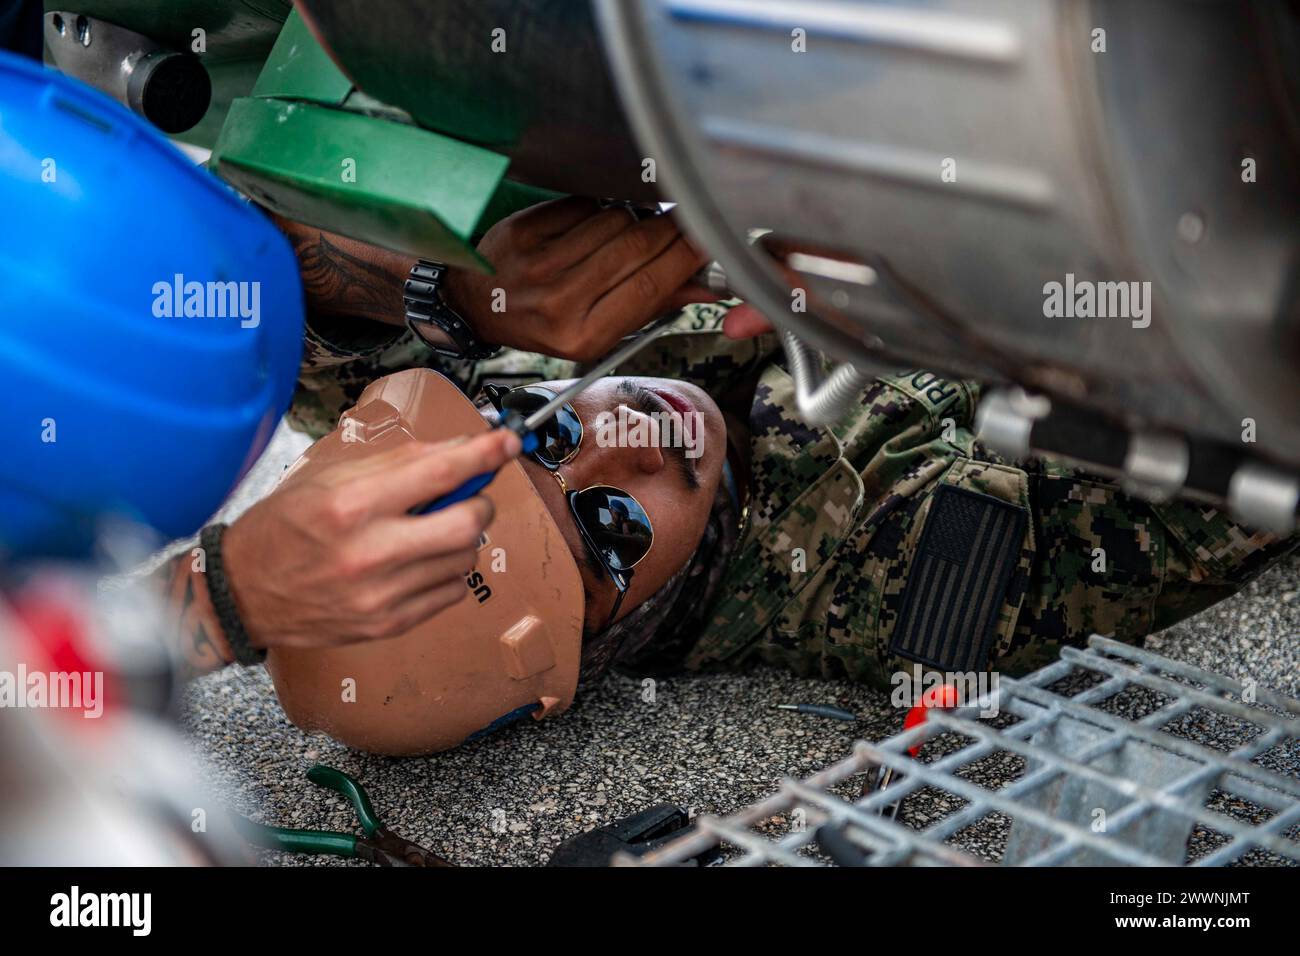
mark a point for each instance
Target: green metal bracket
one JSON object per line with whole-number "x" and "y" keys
{"x": 415, "y": 191}
{"x": 299, "y": 68}
{"x": 396, "y": 186}
{"x": 296, "y": 147}
{"x": 312, "y": 148}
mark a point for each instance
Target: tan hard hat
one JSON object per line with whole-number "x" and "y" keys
{"x": 509, "y": 649}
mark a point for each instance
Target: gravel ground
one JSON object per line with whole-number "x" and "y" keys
{"x": 710, "y": 743}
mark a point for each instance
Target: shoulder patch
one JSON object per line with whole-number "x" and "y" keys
{"x": 939, "y": 396}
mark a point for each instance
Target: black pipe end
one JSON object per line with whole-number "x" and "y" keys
{"x": 171, "y": 90}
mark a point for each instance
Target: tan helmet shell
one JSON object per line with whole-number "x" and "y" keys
{"x": 513, "y": 642}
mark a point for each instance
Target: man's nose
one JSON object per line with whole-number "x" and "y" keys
{"x": 628, "y": 449}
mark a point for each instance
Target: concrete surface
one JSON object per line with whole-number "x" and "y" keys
{"x": 710, "y": 743}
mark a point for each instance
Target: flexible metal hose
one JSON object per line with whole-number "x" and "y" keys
{"x": 820, "y": 400}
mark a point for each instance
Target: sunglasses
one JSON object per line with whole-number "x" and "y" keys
{"x": 612, "y": 523}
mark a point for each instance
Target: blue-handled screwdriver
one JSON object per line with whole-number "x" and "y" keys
{"x": 526, "y": 428}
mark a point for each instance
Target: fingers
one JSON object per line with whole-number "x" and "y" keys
{"x": 409, "y": 581}
{"x": 745, "y": 322}
{"x": 420, "y": 607}
{"x": 690, "y": 294}
{"x": 456, "y": 528}
{"x": 627, "y": 254}
{"x": 396, "y": 619}
{"x": 555, "y": 216}
{"x": 641, "y": 295}
{"x": 565, "y": 250}
{"x": 429, "y": 471}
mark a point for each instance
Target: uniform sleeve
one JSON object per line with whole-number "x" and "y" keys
{"x": 1109, "y": 563}
{"x": 340, "y": 360}
{"x": 331, "y": 342}
{"x": 1208, "y": 558}
{"x": 339, "y": 365}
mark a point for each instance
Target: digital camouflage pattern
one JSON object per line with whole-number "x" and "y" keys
{"x": 835, "y": 515}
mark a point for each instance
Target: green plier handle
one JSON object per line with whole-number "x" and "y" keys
{"x": 379, "y": 845}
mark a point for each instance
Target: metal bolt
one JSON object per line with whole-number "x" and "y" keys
{"x": 1191, "y": 227}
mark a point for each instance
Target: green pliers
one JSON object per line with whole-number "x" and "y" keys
{"x": 379, "y": 845}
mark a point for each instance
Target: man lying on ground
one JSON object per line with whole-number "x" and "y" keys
{"x": 858, "y": 550}
{"x": 853, "y": 551}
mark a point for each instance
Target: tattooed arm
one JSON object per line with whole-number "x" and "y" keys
{"x": 346, "y": 279}
{"x": 349, "y": 284}
{"x": 200, "y": 643}
{"x": 569, "y": 279}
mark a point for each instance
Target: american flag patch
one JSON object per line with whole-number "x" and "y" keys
{"x": 958, "y": 580}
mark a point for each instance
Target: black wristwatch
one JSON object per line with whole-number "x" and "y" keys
{"x": 427, "y": 314}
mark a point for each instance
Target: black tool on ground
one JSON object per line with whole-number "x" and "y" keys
{"x": 637, "y": 835}
{"x": 379, "y": 845}
{"x": 879, "y": 779}
{"x": 821, "y": 710}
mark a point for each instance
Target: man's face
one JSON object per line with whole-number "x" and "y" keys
{"x": 661, "y": 441}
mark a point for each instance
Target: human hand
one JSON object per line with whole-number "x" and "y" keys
{"x": 574, "y": 279}
{"x": 338, "y": 559}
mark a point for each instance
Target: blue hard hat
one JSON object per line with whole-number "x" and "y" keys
{"x": 150, "y": 322}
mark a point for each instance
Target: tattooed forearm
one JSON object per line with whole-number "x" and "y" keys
{"x": 201, "y": 646}
{"x": 348, "y": 279}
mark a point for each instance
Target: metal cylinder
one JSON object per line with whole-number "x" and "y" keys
{"x": 984, "y": 157}
{"x": 172, "y": 90}
{"x": 1095, "y": 200}
{"x": 524, "y": 77}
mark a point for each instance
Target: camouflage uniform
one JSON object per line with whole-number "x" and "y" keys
{"x": 892, "y": 537}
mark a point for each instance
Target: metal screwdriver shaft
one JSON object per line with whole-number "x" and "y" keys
{"x": 525, "y": 427}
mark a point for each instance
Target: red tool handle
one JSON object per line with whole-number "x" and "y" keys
{"x": 944, "y": 697}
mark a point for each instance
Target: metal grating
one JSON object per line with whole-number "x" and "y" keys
{"x": 1113, "y": 755}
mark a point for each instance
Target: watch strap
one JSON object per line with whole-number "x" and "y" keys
{"x": 425, "y": 308}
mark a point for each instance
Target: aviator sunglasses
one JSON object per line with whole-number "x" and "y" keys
{"x": 613, "y": 525}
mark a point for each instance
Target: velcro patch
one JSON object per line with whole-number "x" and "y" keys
{"x": 958, "y": 580}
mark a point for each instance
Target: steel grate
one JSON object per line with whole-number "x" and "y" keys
{"x": 1114, "y": 755}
